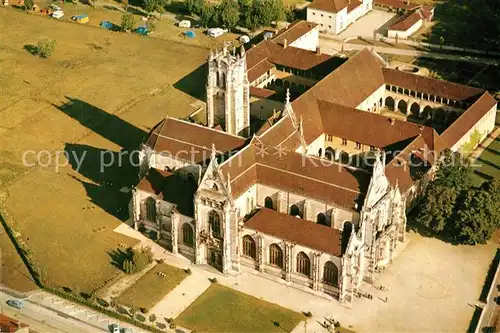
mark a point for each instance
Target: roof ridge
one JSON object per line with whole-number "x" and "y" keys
{"x": 205, "y": 127}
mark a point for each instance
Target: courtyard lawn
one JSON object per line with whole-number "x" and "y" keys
{"x": 151, "y": 287}
{"x": 99, "y": 91}
{"x": 488, "y": 163}
{"x": 221, "y": 309}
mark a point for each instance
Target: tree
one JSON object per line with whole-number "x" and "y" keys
{"x": 128, "y": 22}
{"x": 262, "y": 13}
{"x": 154, "y": 6}
{"x": 28, "y": 4}
{"x": 453, "y": 171}
{"x": 195, "y": 7}
{"x": 478, "y": 214}
{"x": 208, "y": 15}
{"x": 45, "y": 47}
{"x": 229, "y": 13}
{"x": 437, "y": 206}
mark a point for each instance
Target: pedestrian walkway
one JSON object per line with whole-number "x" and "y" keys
{"x": 483, "y": 145}
{"x": 181, "y": 297}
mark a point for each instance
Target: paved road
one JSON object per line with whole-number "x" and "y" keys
{"x": 42, "y": 319}
{"x": 331, "y": 46}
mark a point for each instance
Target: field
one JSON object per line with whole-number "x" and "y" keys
{"x": 100, "y": 91}
{"x": 220, "y": 309}
{"x": 151, "y": 287}
{"x": 489, "y": 162}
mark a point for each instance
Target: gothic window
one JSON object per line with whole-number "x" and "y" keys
{"x": 187, "y": 234}
{"x": 268, "y": 203}
{"x": 344, "y": 142}
{"x": 294, "y": 210}
{"x": 321, "y": 219}
{"x": 249, "y": 248}
{"x": 151, "y": 209}
{"x": 303, "y": 264}
{"x": 214, "y": 222}
{"x": 275, "y": 255}
{"x": 331, "y": 274}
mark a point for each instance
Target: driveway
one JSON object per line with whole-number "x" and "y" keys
{"x": 364, "y": 27}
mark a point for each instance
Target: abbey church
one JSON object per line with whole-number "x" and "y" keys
{"x": 306, "y": 165}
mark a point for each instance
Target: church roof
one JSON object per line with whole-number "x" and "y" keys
{"x": 190, "y": 142}
{"x": 300, "y": 174}
{"x": 297, "y": 230}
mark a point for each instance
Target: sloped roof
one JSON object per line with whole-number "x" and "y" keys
{"x": 189, "y": 141}
{"x": 471, "y": 116}
{"x": 294, "y": 31}
{"x": 332, "y": 6}
{"x": 306, "y": 175}
{"x": 407, "y": 21}
{"x": 297, "y": 230}
{"x": 450, "y": 90}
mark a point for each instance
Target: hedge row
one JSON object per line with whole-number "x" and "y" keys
{"x": 98, "y": 308}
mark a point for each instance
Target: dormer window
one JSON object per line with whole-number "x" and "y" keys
{"x": 215, "y": 187}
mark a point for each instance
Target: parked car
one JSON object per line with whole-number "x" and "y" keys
{"x": 115, "y": 328}
{"x": 185, "y": 24}
{"x": 216, "y": 32}
{"x": 244, "y": 39}
{"x": 55, "y": 7}
{"x": 58, "y": 14}
{"x": 15, "y": 303}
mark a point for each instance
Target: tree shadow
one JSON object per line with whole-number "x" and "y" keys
{"x": 193, "y": 84}
{"x": 118, "y": 256}
{"x": 32, "y": 49}
{"x": 103, "y": 123}
{"x": 426, "y": 232}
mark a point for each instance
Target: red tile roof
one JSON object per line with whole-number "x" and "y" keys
{"x": 471, "y": 116}
{"x": 154, "y": 181}
{"x": 353, "y": 4}
{"x": 407, "y": 21}
{"x": 297, "y": 230}
{"x": 332, "y": 6}
{"x": 294, "y": 31}
{"x": 261, "y": 92}
{"x": 190, "y": 142}
{"x": 453, "y": 91}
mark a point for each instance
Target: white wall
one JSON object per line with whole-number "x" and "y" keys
{"x": 484, "y": 126}
{"x": 405, "y": 34}
{"x": 308, "y": 41}
{"x": 374, "y": 98}
{"x": 327, "y": 21}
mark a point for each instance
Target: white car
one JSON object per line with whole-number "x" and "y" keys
{"x": 58, "y": 14}
{"x": 55, "y": 7}
{"x": 244, "y": 39}
{"x": 115, "y": 328}
{"x": 185, "y": 24}
{"x": 216, "y": 32}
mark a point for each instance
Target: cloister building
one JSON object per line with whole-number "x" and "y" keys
{"x": 315, "y": 196}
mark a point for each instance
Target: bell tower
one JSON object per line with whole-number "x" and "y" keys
{"x": 228, "y": 91}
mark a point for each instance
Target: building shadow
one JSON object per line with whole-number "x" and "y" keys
{"x": 193, "y": 84}
{"x": 111, "y": 200}
{"x": 104, "y": 167}
{"x": 103, "y": 123}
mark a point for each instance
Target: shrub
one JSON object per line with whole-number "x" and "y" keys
{"x": 173, "y": 325}
{"x": 143, "y": 310}
{"x": 169, "y": 320}
{"x": 308, "y": 314}
{"x": 140, "y": 317}
{"x": 152, "y": 318}
{"x": 45, "y": 47}
{"x": 28, "y": 5}
{"x": 102, "y": 302}
{"x": 127, "y": 25}
{"x": 161, "y": 326}
{"x": 188, "y": 271}
{"x": 336, "y": 324}
{"x": 122, "y": 310}
{"x": 213, "y": 280}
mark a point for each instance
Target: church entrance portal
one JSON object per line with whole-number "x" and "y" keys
{"x": 215, "y": 258}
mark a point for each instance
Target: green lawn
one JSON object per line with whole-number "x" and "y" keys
{"x": 488, "y": 163}
{"x": 151, "y": 288}
{"x": 221, "y": 309}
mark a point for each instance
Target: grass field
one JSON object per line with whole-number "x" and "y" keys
{"x": 151, "y": 287}
{"x": 99, "y": 91}
{"x": 489, "y": 162}
{"x": 221, "y": 309}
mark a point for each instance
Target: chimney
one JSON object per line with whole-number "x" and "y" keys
{"x": 285, "y": 43}
{"x": 392, "y": 121}
{"x": 318, "y": 50}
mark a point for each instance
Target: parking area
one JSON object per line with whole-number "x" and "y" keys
{"x": 364, "y": 27}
